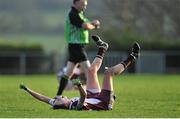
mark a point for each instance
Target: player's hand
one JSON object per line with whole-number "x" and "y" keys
{"x": 22, "y": 86}
{"x": 76, "y": 82}
{"x": 96, "y": 23}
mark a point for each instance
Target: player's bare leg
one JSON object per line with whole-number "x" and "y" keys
{"x": 70, "y": 69}
{"x": 119, "y": 68}
{"x": 92, "y": 80}
{"x": 116, "y": 70}
{"x": 84, "y": 67}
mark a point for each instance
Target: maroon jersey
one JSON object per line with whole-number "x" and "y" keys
{"x": 94, "y": 101}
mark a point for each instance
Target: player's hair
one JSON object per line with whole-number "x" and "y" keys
{"x": 74, "y": 1}
{"x": 62, "y": 106}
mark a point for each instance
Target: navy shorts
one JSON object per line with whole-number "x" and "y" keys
{"x": 77, "y": 53}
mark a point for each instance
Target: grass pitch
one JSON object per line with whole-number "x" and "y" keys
{"x": 137, "y": 96}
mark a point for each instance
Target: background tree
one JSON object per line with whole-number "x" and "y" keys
{"x": 149, "y": 20}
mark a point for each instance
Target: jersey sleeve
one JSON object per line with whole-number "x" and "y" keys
{"x": 75, "y": 20}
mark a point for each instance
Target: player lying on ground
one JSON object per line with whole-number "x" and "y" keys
{"x": 93, "y": 98}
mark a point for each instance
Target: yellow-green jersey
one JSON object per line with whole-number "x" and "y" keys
{"x": 74, "y": 32}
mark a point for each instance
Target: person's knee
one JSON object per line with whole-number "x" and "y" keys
{"x": 69, "y": 72}
{"x": 108, "y": 72}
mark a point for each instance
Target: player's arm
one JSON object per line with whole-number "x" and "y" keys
{"x": 88, "y": 26}
{"x": 82, "y": 92}
{"x": 77, "y": 21}
{"x": 91, "y": 25}
{"x": 36, "y": 95}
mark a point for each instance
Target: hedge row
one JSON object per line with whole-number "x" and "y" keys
{"x": 18, "y": 48}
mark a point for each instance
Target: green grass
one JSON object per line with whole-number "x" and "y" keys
{"x": 137, "y": 96}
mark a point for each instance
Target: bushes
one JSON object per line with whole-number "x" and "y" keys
{"x": 15, "y": 59}
{"x": 21, "y": 48}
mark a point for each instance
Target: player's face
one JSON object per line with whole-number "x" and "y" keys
{"x": 82, "y": 5}
{"x": 62, "y": 100}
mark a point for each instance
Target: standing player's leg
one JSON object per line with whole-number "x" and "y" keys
{"x": 83, "y": 75}
{"x": 64, "y": 79}
{"x": 83, "y": 60}
{"x": 77, "y": 54}
{"x": 92, "y": 80}
{"x": 85, "y": 65}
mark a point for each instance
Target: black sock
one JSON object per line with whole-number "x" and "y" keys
{"x": 101, "y": 53}
{"x": 128, "y": 61}
{"x": 25, "y": 89}
{"x": 62, "y": 85}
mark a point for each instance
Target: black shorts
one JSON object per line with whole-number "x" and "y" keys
{"x": 77, "y": 53}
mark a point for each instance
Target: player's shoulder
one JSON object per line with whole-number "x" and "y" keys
{"x": 74, "y": 99}
{"x": 74, "y": 102}
{"x": 73, "y": 15}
